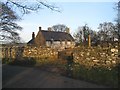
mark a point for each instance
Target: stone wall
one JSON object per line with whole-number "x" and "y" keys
{"x": 29, "y": 51}
{"x": 9, "y": 52}
{"x": 88, "y": 56}
{"x": 96, "y": 56}
{"x": 40, "y": 52}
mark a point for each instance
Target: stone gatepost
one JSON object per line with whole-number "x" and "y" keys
{"x": 89, "y": 41}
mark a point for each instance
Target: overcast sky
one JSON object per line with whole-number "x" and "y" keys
{"x": 73, "y": 14}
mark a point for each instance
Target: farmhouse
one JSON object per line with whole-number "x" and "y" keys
{"x": 53, "y": 39}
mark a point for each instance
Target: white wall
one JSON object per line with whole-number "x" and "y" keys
{"x": 63, "y": 44}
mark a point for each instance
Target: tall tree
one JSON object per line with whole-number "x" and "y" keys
{"x": 81, "y": 36}
{"x": 118, "y": 20}
{"x": 8, "y": 27}
{"x": 78, "y": 36}
{"x": 60, "y": 28}
{"x": 27, "y": 6}
{"x": 11, "y": 9}
{"x": 86, "y": 30}
{"x": 107, "y": 31}
{"x": 117, "y": 8}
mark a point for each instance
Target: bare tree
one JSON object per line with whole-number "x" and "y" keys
{"x": 59, "y": 27}
{"x": 107, "y": 31}
{"x": 78, "y": 36}
{"x": 27, "y": 6}
{"x": 118, "y": 20}
{"x": 8, "y": 27}
{"x": 11, "y": 9}
{"x": 81, "y": 36}
{"x": 86, "y": 30}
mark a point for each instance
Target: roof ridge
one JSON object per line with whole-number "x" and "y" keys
{"x": 55, "y": 31}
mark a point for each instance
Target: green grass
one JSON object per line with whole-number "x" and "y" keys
{"x": 97, "y": 75}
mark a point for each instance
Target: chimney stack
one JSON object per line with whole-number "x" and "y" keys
{"x": 49, "y": 29}
{"x": 33, "y": 35}
{"x": 67, "y": 30}
{"x": 40, "y": 28}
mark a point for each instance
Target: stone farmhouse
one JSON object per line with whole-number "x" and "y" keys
{"x": 53, "y": 39}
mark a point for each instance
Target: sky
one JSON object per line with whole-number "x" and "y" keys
{"x": 73, "y": 14}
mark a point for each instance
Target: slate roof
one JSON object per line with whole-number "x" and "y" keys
{"x": 31, "y": 41}
{"x": 56, "y": 36}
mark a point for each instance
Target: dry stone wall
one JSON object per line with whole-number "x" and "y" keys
{"x": 9, "y": 52}
{"x": 40, "y": 52}
{"x": 28, "y": 51}
{"x": 96, "y": 56}
{"x": 93, "y": 56}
